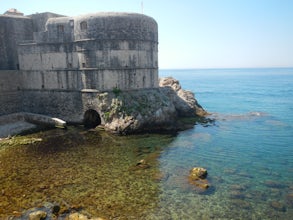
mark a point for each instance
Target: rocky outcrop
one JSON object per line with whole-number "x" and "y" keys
{"x": 184, "y": 101}
{"x": 154, "y": 110}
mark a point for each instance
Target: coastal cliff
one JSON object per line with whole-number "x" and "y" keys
{"x": 148, "y": 110}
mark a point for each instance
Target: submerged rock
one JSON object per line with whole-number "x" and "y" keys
{"x": 289, "y": 199}
{"x": 240, "y": 203}
{"x": 79, "y": 216}
{"x": 236, "y": 194}
{"x": 274, "y": 184}
{"x": 53, "y": 211}
{"x": 38, "y": 215}
{"x": 238, "y": 187}
{"x": 140, "y": 165}
{"x": 278, "y": 206}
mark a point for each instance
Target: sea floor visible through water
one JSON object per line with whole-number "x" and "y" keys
{"x": 97, "y": 173}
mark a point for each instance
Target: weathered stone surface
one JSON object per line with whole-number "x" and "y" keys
{"x": 184, "y": 100}
{"x": 37, "y": 215}
{"x": 79, "y": 216}
{"x": 197, "y": 177}
{"x": 198, "y": 173}
{"x": 156, "y": 109}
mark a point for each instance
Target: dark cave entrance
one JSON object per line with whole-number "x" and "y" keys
{"x": 91, "y": 119}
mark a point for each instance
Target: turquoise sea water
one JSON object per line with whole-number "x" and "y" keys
{"x": 247, "y": 150}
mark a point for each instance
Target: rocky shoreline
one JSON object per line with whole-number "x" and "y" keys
{"x": 126, "y": 112}
{"x": 149, "y": 110}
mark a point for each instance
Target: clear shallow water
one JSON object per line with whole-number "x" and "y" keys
{"x": 248, "y": 153}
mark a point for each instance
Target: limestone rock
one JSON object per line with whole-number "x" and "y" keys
{"x": 138, "y": 111}
{"x": 169, "y": 81}
{"x": 140, "y": 165}
{"x": 184, "y": 100}
{"x": 37, "y": 215}
{"x": 155, "y": 110}
{"x": 197, "y": 177}
{"x": 79, "y": 216}
{"x": 198, "y": 173}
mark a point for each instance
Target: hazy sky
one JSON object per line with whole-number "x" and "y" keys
{"x": 199, "y": 33}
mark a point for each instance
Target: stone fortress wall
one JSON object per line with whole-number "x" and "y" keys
{"x": 96, "y": 51}
{"x": 49, "y": 62}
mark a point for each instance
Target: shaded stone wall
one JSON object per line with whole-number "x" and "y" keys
{"x": 66, "y": 105}
{"x": 10, "y": 93}
{"x": 13, "y": 30}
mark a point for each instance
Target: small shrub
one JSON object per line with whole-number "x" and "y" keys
{"x": 116, "y": 91}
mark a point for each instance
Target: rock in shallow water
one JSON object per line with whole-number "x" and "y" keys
{"x": 197, "y": 177}
{"x": 198, "y": 173}
{"x": 38, "y": 215}
{"x": 278, "y": 206}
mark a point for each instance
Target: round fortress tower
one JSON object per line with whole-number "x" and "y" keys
{"x": 100, "y": 51}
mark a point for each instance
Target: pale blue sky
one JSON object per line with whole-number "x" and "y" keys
{"x": 199, "y": 33}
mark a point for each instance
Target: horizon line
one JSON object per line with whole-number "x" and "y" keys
{"x": 210, "y": 68}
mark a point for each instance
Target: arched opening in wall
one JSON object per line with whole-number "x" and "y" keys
{"x": 91, "y": 119}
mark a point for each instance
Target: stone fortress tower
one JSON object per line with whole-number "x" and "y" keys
{"x": 49, "y": 62}
{"x": 90, "y": 69}
{"x": 96, "y": 51}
